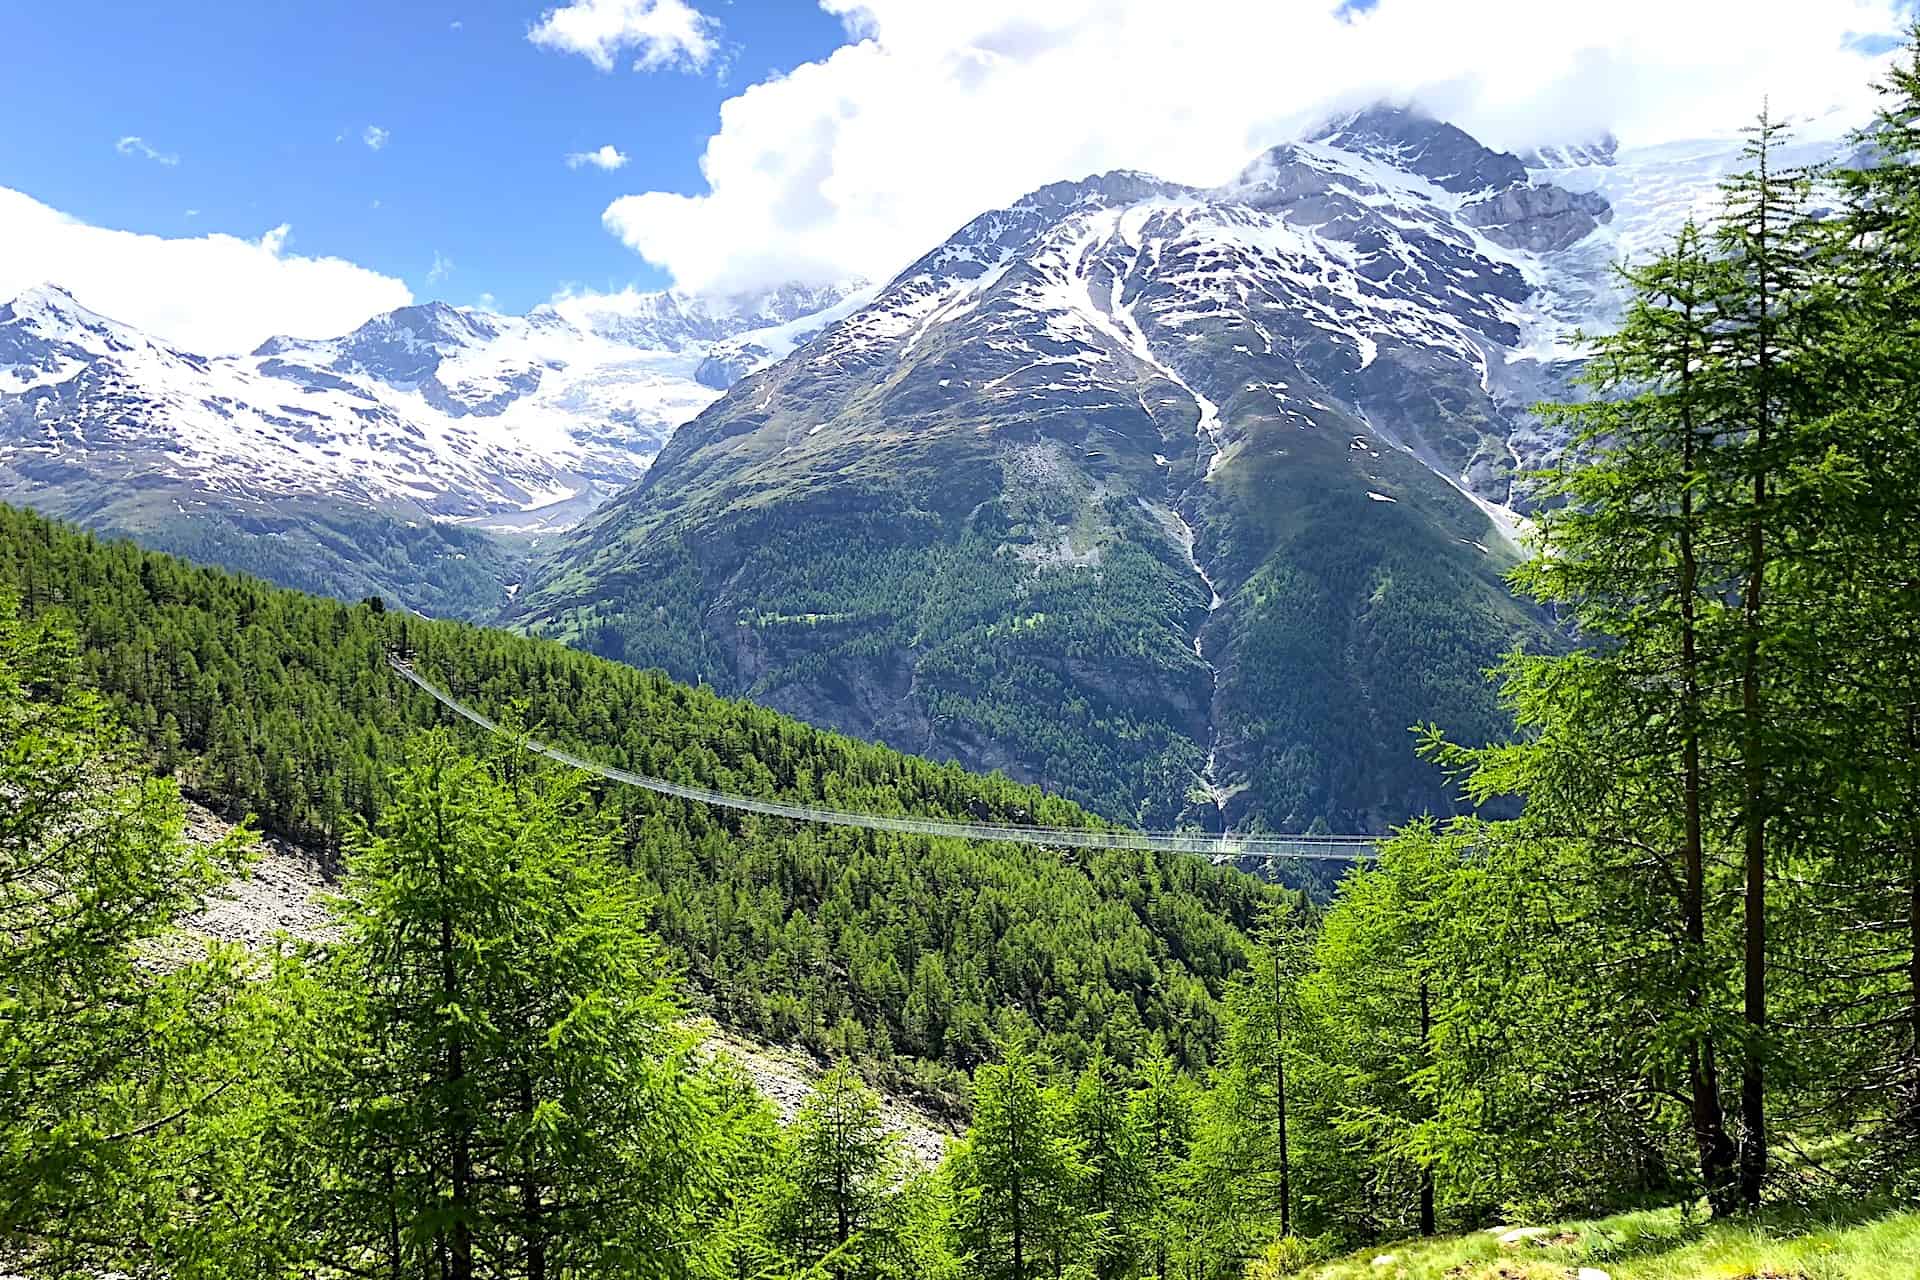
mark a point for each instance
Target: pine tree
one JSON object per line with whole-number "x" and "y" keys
{"x": 1766, "y": 328}
{"x": 495, "y": 1080}
{"x": 1251, "y": 1143}
{"x": 1161, "y": 1115}
{"x": 843, "y": 1166}
{"x": 1099, "y": 1122}
{"x": 1017, "y": 1177}
{"x": 1623, "y": 736}
{"x": 104, "y": 1062}
{"x": 1867, "y": 976}
{"x": 1376, "y": 997}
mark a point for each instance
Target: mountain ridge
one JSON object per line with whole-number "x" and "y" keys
{"x": 1078, "y": 401}
{"x": 418, "y": 422}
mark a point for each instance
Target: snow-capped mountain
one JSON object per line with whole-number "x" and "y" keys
{"x": 459, "y": 413}
{"x": 1185, "y": 500}
{"x": 428, "y": 413}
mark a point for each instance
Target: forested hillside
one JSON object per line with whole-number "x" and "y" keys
{"x": 1165, "y": 499}
{"x": 1677, "y": 996}
{"x": 268, "y": 701}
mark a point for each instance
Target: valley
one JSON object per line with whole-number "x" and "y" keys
{"x": 1183, "y": 502}
{"x": 1353, "y": 713}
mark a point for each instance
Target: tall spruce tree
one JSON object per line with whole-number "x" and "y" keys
{"x": 1017, "y": 1177}
{"x": 495, "y": 1082}
{"x": 843, "y": 1165}
{"x": 1868, "y": 974}
{"x": 1112, "y": 1192}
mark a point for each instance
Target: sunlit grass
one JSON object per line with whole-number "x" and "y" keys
{"x": 1663, "y": 1244}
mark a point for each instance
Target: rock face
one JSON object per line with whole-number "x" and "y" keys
{"x": 1183, "y": 501}
{"x": 1539, "y": 218}
{"x": 1450, "y": 158}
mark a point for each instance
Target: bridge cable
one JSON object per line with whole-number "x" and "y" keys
{"x": 1220, "y": 848}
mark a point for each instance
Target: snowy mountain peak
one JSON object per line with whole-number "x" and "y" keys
{"x": 671, "y": 320}
{"x": 1409, "y": 139}
{"x": 451, "y": 412}
{"x": 52, "y": 311}
{"x": 47, "y": 335}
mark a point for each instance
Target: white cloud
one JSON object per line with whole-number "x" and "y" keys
{"x": 856, "y": 163}
{"x": 661, "y": 33}
{"x": 442, "y": 268}
{"x": 210, "y": 294}
{"x": 135, "y": 145}
{"x": 607, "y": 157}
{"x": 375, "y": 137}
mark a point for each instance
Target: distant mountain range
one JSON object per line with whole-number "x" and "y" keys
{"x": 407, "y": 433}
{"x": 1186, "y": 502}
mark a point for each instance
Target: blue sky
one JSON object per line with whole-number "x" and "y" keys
{"x": 204, "y": 169}
{"x": 250, "y": 98}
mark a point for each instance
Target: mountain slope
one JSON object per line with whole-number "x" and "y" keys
{"x": 1180, "y": 501}
{"x": 346, "y": 465}
{"x": 901, "y": 948}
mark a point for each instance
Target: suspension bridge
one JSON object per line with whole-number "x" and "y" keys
{"x": 1218, "y": 847}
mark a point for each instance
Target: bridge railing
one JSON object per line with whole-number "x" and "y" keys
{"x": 1228, "y": 847}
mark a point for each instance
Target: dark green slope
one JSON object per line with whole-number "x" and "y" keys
{"x": 1006, "y": 587}
{"x": 1354, "y": 619}
{"x": 905, "y": 948}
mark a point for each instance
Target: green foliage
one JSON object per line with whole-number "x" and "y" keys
{"x": 1018, "y": 1179}
{"x": 840, "y": 1207}
{"x": 492, "y": 1071}
{"x": 102, "y": 1052}
{"x": 896, "y": 948}
{"x": 322, "y": 545}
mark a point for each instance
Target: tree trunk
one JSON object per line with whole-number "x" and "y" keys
{"x": 1019, "y": 1208}
{"x": 531, "y": 1207}
{"x": 1753, "y": 1079}
{"x": 1280, "y": 1104}
{"x": 1912, "y": 1117}
{"x": 460, "y": 1264}
{"x": 1426, "y": 1169}
{"x": 393, "y": 1221}
{"x": 1716, "y": 1152}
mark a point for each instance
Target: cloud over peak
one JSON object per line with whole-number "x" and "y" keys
{"x": 210, "y": 294}
{"x": 853, "y": 164}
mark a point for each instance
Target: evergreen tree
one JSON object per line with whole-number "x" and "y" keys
{"x": 1161, "y": 1116}
{"x": 843, "y": 1167}
{"x": 1376, "y": 997}
{"x": 1017, "y": 1177}
{"x": 1112, "y": 1193}
{"x": 104, "y": 1061}
{"x": 495, "y": 1081}
{"x": 1863, "y": 990}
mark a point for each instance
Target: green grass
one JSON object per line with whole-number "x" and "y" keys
{"x": 1867, "y": 1242}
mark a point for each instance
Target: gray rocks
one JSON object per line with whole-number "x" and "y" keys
{"x": 726, "y": 364}
{"x": 1539, "y": 218}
